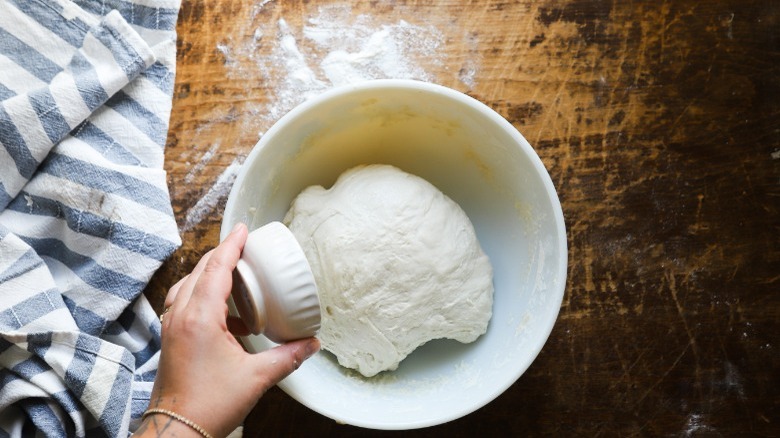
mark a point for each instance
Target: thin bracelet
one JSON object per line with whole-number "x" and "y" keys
{"x": 178, "y": 417}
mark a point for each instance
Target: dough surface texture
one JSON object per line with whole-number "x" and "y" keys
{"x": 397, "y": 264}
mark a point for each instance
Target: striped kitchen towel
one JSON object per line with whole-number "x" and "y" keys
{"x": 85, "y": 213}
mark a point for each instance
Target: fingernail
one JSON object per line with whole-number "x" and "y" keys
{"x": 236, "y": 227}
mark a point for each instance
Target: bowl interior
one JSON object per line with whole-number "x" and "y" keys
{"x": 480, "y": 161}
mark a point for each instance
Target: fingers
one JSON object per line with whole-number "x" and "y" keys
{"x": 215, "y": 281}
{"x": 277, "y": 363}
{"x": 210, "y": 281}
{"x": 180, "y": 293}
{"x": 169, "y": 299}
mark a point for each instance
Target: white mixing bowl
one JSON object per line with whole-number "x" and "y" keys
{"x": 480, "y": 161}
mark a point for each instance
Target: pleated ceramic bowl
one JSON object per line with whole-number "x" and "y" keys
{"x": 476, "y": 158}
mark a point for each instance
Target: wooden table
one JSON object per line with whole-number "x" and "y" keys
{"x": 659, "y": 122}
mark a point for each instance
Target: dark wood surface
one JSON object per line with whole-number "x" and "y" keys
{"x": 659, "y": 122}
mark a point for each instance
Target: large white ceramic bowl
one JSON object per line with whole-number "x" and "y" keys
{"x": 480, "y": 161}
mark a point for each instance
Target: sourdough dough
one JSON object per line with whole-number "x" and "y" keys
{"x": 397, "y": 264}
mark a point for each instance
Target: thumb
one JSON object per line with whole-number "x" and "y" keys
{"x": 279, "y": 362}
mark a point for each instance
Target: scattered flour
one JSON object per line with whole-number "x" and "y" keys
{"x": 211, "y": 199}
{"x": 198, "y": 167}
{"x": 696, "y": 425}
{"x": 334, "y": 47}
{"x": 468, "y": 72}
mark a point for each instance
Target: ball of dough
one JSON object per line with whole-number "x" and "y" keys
{"x": 397, "y": 264}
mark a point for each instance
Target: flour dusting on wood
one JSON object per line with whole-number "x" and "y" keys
{"x": 332, "y": 47}
{"x": 206, "y": 205}
{"x": 195, "y": 171}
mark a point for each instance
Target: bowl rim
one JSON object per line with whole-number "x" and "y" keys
{"x": 528, "y": 151}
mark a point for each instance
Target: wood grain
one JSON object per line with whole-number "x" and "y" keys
{"x": 659, "y": 124}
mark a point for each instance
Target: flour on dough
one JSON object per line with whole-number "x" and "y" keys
{"x": 397, "y": 264}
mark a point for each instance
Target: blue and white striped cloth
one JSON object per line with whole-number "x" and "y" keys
{"x": 85, "y": 213}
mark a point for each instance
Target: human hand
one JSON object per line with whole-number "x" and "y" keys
{"x": 204, "y": 374}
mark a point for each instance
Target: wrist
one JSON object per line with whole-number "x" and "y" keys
{"x": 164, "y": 423}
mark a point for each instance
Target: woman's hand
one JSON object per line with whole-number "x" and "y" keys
{"x": 204, "y": 374}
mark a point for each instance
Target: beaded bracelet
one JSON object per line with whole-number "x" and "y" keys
{"x": 178, "y": 417}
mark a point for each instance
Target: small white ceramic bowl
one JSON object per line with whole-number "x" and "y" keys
{"x": 480, "y": 161}
{"x": 274, "y": 291}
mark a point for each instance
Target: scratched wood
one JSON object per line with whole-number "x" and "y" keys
{"x": 659, "y": 123}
